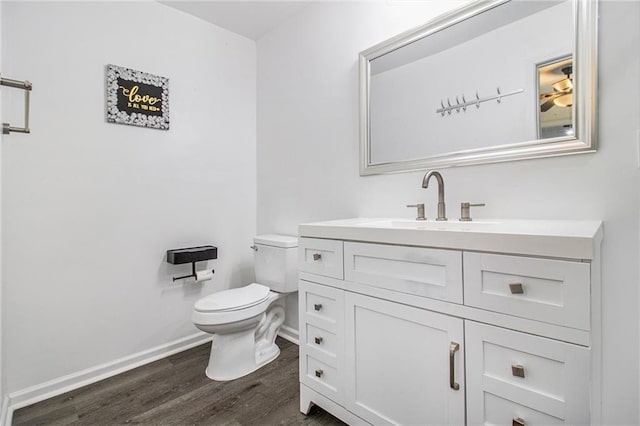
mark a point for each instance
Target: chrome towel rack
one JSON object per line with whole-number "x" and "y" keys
{"x": 477, "y": 101}
{"x": 26, "y": 86}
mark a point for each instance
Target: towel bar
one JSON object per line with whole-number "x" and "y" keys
{"x": 26, "y": 86}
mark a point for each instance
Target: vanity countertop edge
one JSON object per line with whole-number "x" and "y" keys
{"x": 570, "y": 239}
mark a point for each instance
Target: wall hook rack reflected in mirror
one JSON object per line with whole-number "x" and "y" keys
{"x": 464, "y": 104}
{"x": 27, "y": 87}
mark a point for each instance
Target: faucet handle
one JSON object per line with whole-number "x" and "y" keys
{"x": 420, "y": 210}
{"x": 465, "y": 215}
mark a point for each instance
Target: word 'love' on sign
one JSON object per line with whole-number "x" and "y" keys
{"x": 137, "y": 98}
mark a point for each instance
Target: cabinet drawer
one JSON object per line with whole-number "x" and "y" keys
{"x": 322, "y": 257}
{"x": 544, "y": 375}
{"x": 326, "y": 323}
{"x": 320, "y": 376}
{"x": 321, "y": 306}
{"x": 552, "y": 291}
{"x": 420, "y": 271}
{"x": 501, "y": 411}
{"x": 321, "y": 341}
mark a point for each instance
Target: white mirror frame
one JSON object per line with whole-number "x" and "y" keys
{"x": 585, "y": 92}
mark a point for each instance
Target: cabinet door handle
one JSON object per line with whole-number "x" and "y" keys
{"x": 317, "y": 256}
{"x": 453, "y": 348}
{"x": 319, "y": 373}
{"x": 318, "y": 340}
{"x": 517, "y": 422}
{"x": 317, "y": 306}
{"x": 516, "y": 288}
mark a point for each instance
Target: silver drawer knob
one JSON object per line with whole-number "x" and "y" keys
{"x": 317, "y": 306}
{"x": 317, "y": 256}
{"x": 319, "y": 373}
{"x": 516, "y": 288}
{"x": 517, "y": 422}
{"x": 318, "y": 340}
{"x": 517, "y": 370}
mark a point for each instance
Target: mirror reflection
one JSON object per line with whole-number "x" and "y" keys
{"x": 555, "y": 86}
{"x": 494, "y": 75}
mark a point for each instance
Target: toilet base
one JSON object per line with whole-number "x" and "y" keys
{"x": 214, "y": 372}
{"x": 237, "y": 354}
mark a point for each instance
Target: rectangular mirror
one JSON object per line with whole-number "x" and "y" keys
{"x": 494, "y": 81}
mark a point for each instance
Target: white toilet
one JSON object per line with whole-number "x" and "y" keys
{"x": 245, "y": 321}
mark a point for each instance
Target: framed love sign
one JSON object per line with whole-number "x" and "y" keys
{"x": 137, "y": 98}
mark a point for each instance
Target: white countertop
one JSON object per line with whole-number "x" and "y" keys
{"x": 572, "y": 239}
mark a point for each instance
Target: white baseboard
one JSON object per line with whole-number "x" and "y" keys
{"x": 58, "y": 386}
{"x": 290, "y": 334}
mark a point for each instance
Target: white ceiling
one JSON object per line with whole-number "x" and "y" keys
{"x": 251, "y": 19}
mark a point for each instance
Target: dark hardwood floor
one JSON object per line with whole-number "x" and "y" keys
{"x": 175, "y": 391}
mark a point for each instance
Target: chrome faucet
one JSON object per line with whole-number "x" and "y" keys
{"x": 442, "y": 215}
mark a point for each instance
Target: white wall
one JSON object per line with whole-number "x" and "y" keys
{"x": 90, "y": 208}
{"x": 308, "y": 157}
{"x": 2, "y": 380}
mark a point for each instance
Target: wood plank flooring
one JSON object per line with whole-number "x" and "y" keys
{"x": 175, "y": 391}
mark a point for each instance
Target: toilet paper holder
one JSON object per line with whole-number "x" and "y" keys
{"x": 191, "y": 255}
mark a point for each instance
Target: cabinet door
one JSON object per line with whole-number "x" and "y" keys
{"x": 518, "y": 378}
{"x": 403, "y": 363}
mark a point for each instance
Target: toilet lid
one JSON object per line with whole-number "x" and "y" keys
{"x": 233, "y": 299}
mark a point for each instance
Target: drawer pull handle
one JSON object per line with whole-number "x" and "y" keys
{"x": 517, "y": 370}
{"x": 317, "y": 256}
{"x": 319, "y": 373}
{"x": 318, "y": 340}
{"x": 453, "y": 348}
{"x": 317, "y": 306}
{"x": 516, "y": 288}
{"x": 517, "y": 422}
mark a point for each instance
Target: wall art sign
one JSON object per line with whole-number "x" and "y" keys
{"x": 137, "y": 98}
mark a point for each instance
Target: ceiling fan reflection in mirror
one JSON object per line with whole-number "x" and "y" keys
{"x": 562, "y": 93}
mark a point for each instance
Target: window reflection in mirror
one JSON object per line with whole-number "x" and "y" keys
{"x": 555, "y": 89}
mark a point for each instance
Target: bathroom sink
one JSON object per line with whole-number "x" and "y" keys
{"x": 434, "y": 225}
{"x": 560, "y": 238}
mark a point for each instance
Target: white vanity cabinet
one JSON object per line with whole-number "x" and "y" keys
{"x": 402, "y": 333}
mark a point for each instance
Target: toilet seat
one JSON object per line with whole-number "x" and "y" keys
{"x": 233, "y": 299}
{"x": 233, "y": 305}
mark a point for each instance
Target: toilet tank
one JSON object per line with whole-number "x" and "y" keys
{"x": 276, "y": 262}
